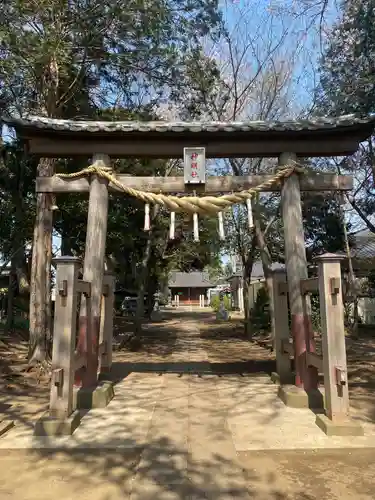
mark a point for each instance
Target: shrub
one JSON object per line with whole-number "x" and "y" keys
{"x": 215, "y": 302}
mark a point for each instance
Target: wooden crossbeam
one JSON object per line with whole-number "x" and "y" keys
{"x": 218, "y": 184}
{"x": 84, "y": 287}
{"x": 309, "y": 285}
{"x": 314, "y": 359}
{"x": 287, "y": 347}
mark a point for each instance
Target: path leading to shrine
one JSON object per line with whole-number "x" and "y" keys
{"x": 193, "y": 418}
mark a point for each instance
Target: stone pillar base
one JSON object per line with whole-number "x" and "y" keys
{"x": 93, "y": 397}
{"x": 5, "y": 425}
{"x": 52, "y": 426}
{"x": 345, "y": 427}
{"x": 294, "y": 397}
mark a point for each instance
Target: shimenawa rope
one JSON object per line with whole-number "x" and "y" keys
{"x": 190, "y": 204}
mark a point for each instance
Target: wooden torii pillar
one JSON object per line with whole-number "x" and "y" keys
{"x": 93, "y": 271}
{"x": 306, "y": 377}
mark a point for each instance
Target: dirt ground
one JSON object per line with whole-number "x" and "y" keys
{"x": 107, "y": 474}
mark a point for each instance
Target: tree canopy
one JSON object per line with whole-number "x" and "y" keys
{"x": 347, "y": 67}
{"x": 347, "y": 85}
{"x": 99, "y": 60}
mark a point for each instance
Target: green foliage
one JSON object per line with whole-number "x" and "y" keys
{"x": 215, "y": 270}
{"x": 75, "y": 56}
{"x": 17, "y": 208}
{"x": 110, "y": 61}
{"x": 347, "y": 85}
{"x": 215, "y": 303}
{"x": 260, "y": 313}
{"x": 183, "y": 253}
{"x": 347, "y": 68}
{"x": 370, "y": 285}
{"x": 323, "y": 225}
{"x": 315, "y": 313}
{"x": 18, "y": 323}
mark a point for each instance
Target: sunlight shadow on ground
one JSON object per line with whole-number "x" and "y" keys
{"x": 183, "y": 415}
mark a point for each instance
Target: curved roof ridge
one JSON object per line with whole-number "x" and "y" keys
{"x": 80, "y": 125}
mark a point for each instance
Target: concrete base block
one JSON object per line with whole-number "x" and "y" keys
{"x": 52, "y": 426}
{"x": 286, "y": 379}
{"x": 93, "y": 397}
{"x": 346, "y": 427}
{"x": 5, "y": 425}
{"x": 294, "y": 397}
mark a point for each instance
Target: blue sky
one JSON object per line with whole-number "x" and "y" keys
{"x": 285, "y": 18}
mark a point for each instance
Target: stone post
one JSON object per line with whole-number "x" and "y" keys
{"x": 61, "y": 418}
{"x": 280, "y": 305}
{"x": 336, "y": 420}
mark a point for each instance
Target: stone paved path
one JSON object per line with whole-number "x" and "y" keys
{"x": 190, "y": 430}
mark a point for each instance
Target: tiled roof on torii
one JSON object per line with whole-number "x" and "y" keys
{"x": 130, "y": 126}
{"x": 314, "y": 137}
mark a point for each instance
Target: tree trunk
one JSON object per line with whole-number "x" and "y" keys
{"x": 21, "y": 272}
{"x": 65, "y": 244}
{"x": 10, "y": 302}
{"x": 352, "y": 279}
{"x": 142, "y": 287}
{"x": 40, "y": 290}
{"x": 143, "y": 275}
{"x": 266, "y": 264}
{"x": 18, "y": 258}
{"x": 20, "y": 264}
{"x": 151, "y": 290}
{"x": 145, "y": 263}
{"x": 247, "y": 307}
{"x": 247, "y": 270}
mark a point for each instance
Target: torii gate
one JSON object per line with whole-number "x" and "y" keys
{"x": 287, "y": 141}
